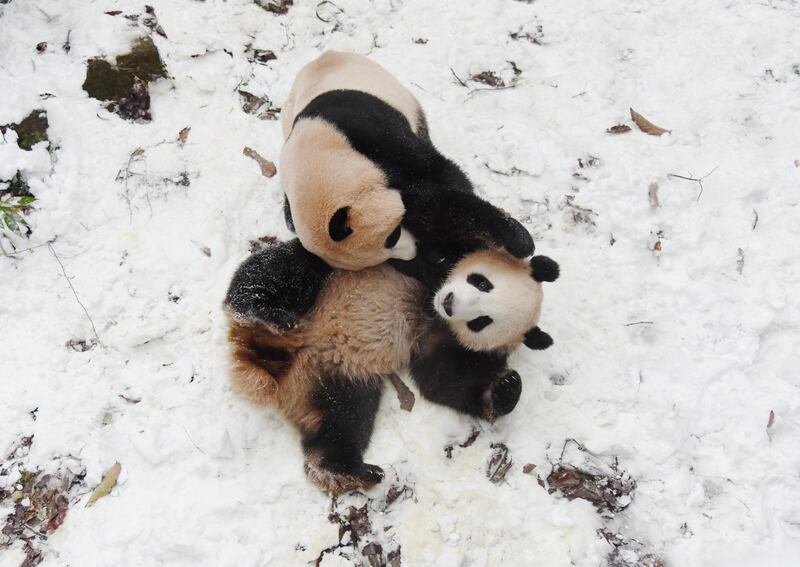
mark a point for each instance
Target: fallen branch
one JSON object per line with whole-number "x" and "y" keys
{"x": 698, "y": 180}
{"x": 504, "y": 87}
{"x": 75, "y": 293}
{"x": 460, "y": 82}
{"x": 404, "y": 394}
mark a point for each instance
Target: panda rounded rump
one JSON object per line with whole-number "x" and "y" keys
{"x": 357, "y": 332}
{"x": 352, "y": 332}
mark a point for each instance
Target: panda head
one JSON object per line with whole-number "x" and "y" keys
{"x": 492, "y": 301}
{"x": 341, "y": 207}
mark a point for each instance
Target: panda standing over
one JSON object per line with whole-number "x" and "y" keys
{"x": 363, "y": 182}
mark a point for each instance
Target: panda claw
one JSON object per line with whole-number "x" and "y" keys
{"x": 334, "y": 482}
{"x": 502, "y": 395}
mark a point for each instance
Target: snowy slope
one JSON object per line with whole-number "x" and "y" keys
{"x": 682, "y": 397}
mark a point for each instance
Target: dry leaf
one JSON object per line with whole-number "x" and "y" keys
{"x": 405, "y": 395}
{"x": 268, "y": 168}
{"x": 109, "y": 482}
{"x": 184, "y": 134}
{"x": 771, "y": 420}
{"x": 619, "y": 129}
{"x": 645, "y": 125}
{"x": 528, "y": 469}
{"x": 657, "y": 246}
{"x": 652, "y": 193}
{"x": 499, "y": 463}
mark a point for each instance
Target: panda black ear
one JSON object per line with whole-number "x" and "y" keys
{"x": 337, "y": 227}
{"x": 536, "y": 339}
{"x": 544, "y": 269}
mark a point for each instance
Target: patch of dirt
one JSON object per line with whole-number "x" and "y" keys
{"x": 30, "y": 131}
{"x": 124, "y": 84}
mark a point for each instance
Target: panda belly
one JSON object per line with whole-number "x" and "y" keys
{"x": 366, "y": 323}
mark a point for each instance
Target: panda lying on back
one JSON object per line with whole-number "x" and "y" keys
{"x": 363, "y": 181}
{"x": 326, "y": 372}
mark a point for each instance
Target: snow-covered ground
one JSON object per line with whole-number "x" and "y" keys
{"x": 677, "y": 327}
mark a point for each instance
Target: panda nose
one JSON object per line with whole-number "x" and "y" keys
{"x": 447, "y": 304}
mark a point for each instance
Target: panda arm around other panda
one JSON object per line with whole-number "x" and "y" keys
{"x": 277, "y": 285}
{"x": 438, "y": 215}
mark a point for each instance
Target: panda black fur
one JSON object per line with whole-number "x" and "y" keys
{"x": 357, "y": 161}
{"x": 325, "y": 369}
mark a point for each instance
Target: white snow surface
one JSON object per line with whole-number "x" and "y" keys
{"x": 682, "y": 397}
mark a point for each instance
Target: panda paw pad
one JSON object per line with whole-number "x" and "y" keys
{"x": 502, "y": 395}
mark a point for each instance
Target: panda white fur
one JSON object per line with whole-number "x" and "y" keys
{"x": 363, "y": 181}
{"x": 324, "y": 368}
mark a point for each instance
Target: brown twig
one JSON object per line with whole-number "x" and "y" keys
{"x": 639, "y": 323}
{"x": 15, "y": 252}
{"x": 698, "y": 180}
{"x": 460, "y": 82}
{"x": 75, "y": 293}
{"x": 471, "y": 93}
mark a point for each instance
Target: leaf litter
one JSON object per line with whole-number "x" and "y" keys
{"x": 39, "y": 499}
{"x": 581, "y": 474}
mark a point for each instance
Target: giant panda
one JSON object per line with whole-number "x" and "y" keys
{"x": 362, "y": 180}
{"x": 324, "y": 368}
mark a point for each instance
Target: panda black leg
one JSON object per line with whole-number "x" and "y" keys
{"x": 277, "y": 285}
{"x": 475, "y": 383}
{"x": 501, "y": 396}
{"x": 334, "y": 450}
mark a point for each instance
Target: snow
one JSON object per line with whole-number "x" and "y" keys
{"x": 682, "y": 397}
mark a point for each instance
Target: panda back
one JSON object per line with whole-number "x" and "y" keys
{"x": 367, "y": 322}
{"x": 337, "y": 70}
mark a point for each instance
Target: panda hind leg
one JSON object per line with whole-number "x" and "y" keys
{"x": 335, "y": 446}
{"x": 475, "y": 383}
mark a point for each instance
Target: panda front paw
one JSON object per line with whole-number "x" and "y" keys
{"x": 502, "y": 395}
{"x": 518, "y": 241}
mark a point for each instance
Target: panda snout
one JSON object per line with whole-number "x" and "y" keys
{"x": 447, "y": 304}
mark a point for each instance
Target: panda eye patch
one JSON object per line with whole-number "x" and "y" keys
{"x": 478, "y": 324}
{"x": 481, "y": 282}
{"x": 392, "y": 239}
